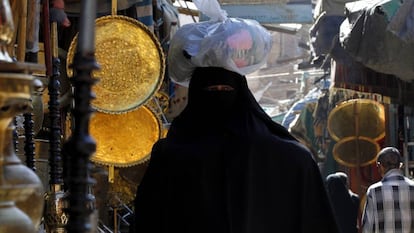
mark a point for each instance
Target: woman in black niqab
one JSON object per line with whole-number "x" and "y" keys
{"x": 226, "y": 167}
{"x": 344, "y": 202}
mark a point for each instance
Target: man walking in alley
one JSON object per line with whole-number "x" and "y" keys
{"x": 389, "y": 203}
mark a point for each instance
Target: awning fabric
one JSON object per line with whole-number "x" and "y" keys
{"x": 330, "y": 7}
{"x": 402, "y": 22}
{"x": 367, "y": 38}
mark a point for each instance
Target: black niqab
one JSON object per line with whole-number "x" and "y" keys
{"x": 213, "y": 106}
{"x": 230, "y": 172}
{"x": 345, "y": 204}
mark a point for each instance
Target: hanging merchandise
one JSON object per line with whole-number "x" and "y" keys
{"x": 356, "y": 125}
{"x": 323, "y": 33}
{"x": 357, "y": 117}
{"x": 131, "y": 145}
{"x": 401, "y": 23}
{"x": 239, "y": 45}
{"x": 170, "y": 21}
{"x": 365, "y": 36}
{"x": 103, "y": 6}
{"x": 330, "y": 7}
{"x": 131, "y": 60}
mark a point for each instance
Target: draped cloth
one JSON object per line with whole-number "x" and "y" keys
{"x": 365, "y": 35}
{"x": 230, "y": 171}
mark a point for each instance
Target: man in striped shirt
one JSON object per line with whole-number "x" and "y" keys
{"x": 389, "y": 206}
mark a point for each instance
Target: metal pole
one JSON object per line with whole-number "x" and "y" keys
{"x": 55, "y": 160}
{"x": 55, "y": 218}
{"x": 80, "y": 145}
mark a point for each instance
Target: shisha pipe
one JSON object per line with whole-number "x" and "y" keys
{"x": 29, "y": 150}
{"x": 55, "y": 160}
{"x": 80, "y": 145}
{"x": 55, "y": 217}
{"x": 46, "y": 37}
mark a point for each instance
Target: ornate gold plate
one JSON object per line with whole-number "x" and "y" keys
{"x": 354, "y": 151}
{"x": 132, "y": 64}
{"x": 357, "y": 117}
{"x": 124, "y": 139}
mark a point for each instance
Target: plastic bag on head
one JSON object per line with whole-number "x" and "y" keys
{"x": 239, "y": 45}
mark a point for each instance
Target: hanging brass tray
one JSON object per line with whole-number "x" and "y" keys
{"x": 357, "y": 117}
{"x": 355, "y": 151}
{"x": 132, "y": 64}
{"x": 124, "y": 140}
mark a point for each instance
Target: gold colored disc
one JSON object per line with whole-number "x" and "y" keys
{"x": 131, "y": 60}
{"x": 355, "y": 151}
{"x": 357, "y": 117}
{"x": 124, "y": 139}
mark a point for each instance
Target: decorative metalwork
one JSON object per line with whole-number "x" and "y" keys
{"x": 55, "y": 218}
{"x": 132, "y": 145}
{"x": 132, "y": 64}
{"x": 15, "y": 94}
{"x": 12, "y": 219}
{"x": 16, "y": 173}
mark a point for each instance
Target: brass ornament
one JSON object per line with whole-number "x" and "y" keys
{"x": 132, "y": 64}
{"x": 42, "y": 161}
{"x": 355, "y": 151}
{"x": 55, "y": 218}
{"x": 16, "y": 89}
{"x": 357, "y": 117}
{"x": 12, "y": 219}
{"x": 15, "y": 95}
{"x": 125, "y": 139}
{"x": 16, "y": 173}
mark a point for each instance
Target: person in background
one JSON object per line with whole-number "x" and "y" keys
{"x": 390, "y": 202}
{"x": 345, "y": 203}
{"x": 226, "y": 167}
{"x": 57, "y": 13}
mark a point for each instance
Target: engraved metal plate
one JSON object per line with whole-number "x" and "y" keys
{"x": 132, "y": 64}
{"x": 124, "y": 139}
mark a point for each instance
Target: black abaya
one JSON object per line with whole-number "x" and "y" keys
{"x": 230, "y": 171}
{"x": 344, "y": 202}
